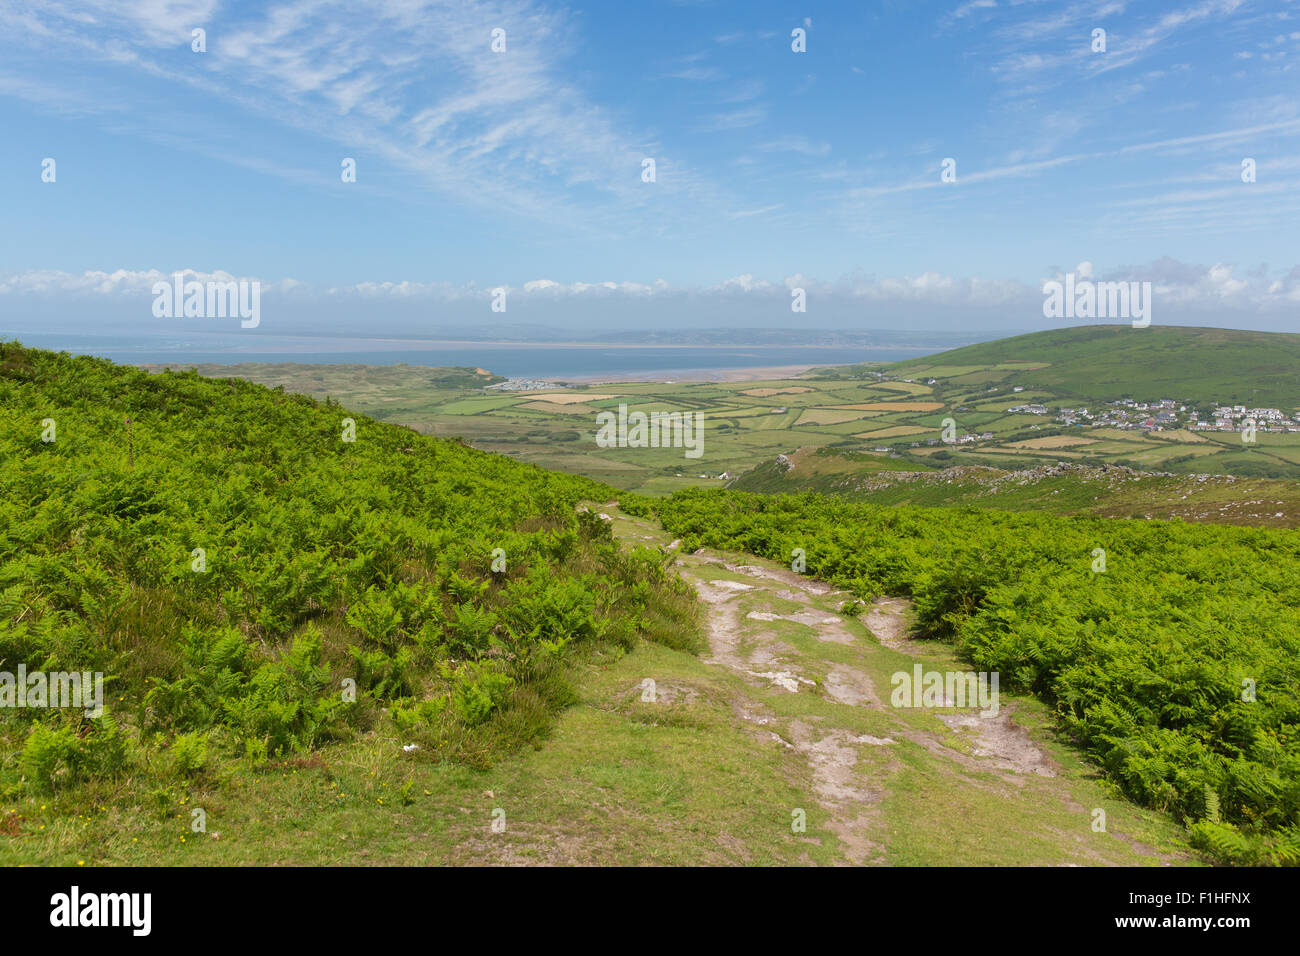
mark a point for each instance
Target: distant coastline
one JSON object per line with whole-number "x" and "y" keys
{"x": 583, "y": 364}
{"x": 755, "y": 373}
{"x": 191, "y": 338}
{"x": 574, "y": 362}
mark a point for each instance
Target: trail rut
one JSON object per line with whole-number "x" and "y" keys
{"x": 780, "y": 633}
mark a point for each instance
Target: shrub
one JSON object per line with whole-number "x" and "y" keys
{"x": 478, "y": 692}
{"x": 1145, "y": 664}
{"x": 46, "y": 752}
{"x": 189, "y": 753}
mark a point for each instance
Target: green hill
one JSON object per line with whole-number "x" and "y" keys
{"x": 1056, "y": 488}
{"x": 257, "y": 574}
{"x": 1108, "y": 362}
{"x": 358, "y": 381}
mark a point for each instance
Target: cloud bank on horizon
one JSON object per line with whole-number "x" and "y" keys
{"x": 383, "y": 168}
{"x": 99, "y": 301}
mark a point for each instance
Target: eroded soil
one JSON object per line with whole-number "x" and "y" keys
{"x": 818, "y": 685}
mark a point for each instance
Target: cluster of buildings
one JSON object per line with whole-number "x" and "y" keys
{"x": 1231, "y": 418}
{"x": 960, "y": 439}
{"x": 523, "y": 385}
{"x": 1129, "y": 414}
{"x": 1167, "y": 413}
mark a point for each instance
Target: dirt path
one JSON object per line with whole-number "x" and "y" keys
{"x": 819, "y": 685}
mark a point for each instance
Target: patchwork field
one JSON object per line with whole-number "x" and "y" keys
{"x": 878, "y": 418}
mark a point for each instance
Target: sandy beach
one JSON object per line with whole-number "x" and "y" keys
{"x": 758, "y": 373}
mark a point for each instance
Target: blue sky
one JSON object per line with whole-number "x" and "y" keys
{"x": 522, "y": 169}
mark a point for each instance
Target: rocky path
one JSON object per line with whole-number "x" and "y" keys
{"x": 888, "y": 781}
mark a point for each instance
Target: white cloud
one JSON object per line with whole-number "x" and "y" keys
{"x": 741, "y": 283}
{"x": 121, "y": 282}
{"x": 1185, "y": 283}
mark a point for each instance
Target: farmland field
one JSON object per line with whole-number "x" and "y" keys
{"x": 884, "y": 418}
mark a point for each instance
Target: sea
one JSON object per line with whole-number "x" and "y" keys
{"x": 513, "y": 360}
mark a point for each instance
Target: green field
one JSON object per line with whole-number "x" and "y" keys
{"x": 741, "y": 429}
{"x": 868, "y": 420}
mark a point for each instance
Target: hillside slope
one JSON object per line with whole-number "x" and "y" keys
{"x": 668, "y": 757}
{"x": 229, "y": 736}
{"x": 1061, "y": 488}
{"x": 1108, "y": 362}
{"x": 256, "y": 575}
{"x": 1169, "y": 652}
{"x": 326, "y": 639}
{"x": 360, "y": 382}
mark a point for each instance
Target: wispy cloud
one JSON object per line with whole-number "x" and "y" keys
{"x": 1018, "y": 170}
{"x": 734, "y": 119}
{"x": 745, "y": 214}
{"x": 416, "y": 84}
{"x": 965, "y": 10}
{"x": 796, "y": 144}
